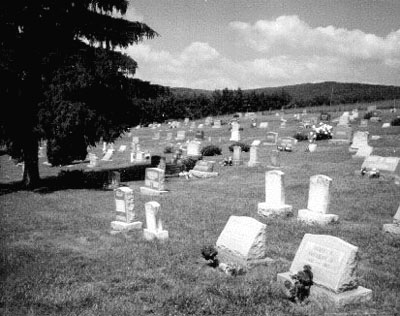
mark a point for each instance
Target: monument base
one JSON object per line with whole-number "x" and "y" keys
{"x": 253, "y": 163}
{"x": 202, "y": 174}
{"x": 265, "y": 210}
{"x": 327, "y": 298}
{"x": 230, "y": 258}
{"x": 312, "y": 217}
{"x": 120, "y": 227}
{"x": 339, "y": 142}
{"x": 149, "y": 191}
{"x": 353, "y": 150}
{"x": 151, "y": 235}
{"x": 237, "y": 162}
{"x": 234, "y": 139}
{"x": 392, "y": 229}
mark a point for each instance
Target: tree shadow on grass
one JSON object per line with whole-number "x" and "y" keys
{"x": 79, "y": 179}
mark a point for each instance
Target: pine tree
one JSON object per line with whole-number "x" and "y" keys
{"x": 58, "y": 62}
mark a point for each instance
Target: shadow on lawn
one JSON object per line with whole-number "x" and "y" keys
{"x": 79, "y": 179}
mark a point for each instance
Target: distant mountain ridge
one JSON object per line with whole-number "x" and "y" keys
{"x": 307, "y": 91}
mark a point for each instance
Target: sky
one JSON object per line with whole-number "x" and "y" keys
{"x": 217, "y": 44}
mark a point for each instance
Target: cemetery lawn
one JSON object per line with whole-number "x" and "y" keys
{"x": 58, "y": 257}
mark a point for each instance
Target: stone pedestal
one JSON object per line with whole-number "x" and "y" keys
{"x": 312, "y": 217}
{"x": 151, "y": 235}
{"x": 122, "y": 227}
{"x": 265, "y": 210}
{"x": 326, "y": 298}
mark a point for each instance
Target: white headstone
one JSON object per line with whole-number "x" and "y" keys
{"x": 253, "y": 161}
{"x": 318, "y": 202}
{"x": 180, "y": 135}
{"x": 193, "y": 149}
{"x": 242, "y": 241}
{"x": 154, "y": 182}
{"x": 124, "y": 208}
{"x": 122, "y": 148}
{"x": 263, "y": 125}
{"x": 274, "y": 204}
{"x": 154, "y": 229}
{"x": 237, "y": 152}
{"x": 108, "y": 155}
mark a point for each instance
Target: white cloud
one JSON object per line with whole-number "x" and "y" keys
{"x": 289, "y": 52}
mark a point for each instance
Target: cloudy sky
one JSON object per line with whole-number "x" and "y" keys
{"x": 213, "y": 44}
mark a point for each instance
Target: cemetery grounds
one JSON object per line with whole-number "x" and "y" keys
{"x": 58, "y": 257}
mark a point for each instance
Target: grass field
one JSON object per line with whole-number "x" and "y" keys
{"x": 58, "y": 257}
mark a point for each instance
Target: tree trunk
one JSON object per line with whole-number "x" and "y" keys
{"x": 31, "y": 171}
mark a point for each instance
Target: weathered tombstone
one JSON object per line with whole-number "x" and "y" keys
{"x": 274, "y": 204}
{"x": 217, "y": 124}
{"x": 156, "y": 136}
{"x": 199, "y": 135}
{"x": 104, "y": 147}
{"x": 169, "y": 136}
{"x": 283, "y": 124}
{"x": 387, "y": 165}
{"x": 237, "y": 152}
{"x": 318, "y": 202}
{"x": 193, "y": 149}
{"x": 274, "y": 159}
{"x": 376, "y": 116}
{"x": 394, "y": 228}
{"x": 162, "y": 163}
{"x": 122, "y": 148}
{"x": 114, "y": 180}
{"x": 203, "y": 169}
{"x": 200, "y": 126}
{"x": 135, "y": 140}
{"x": 371, "y": 108}
{"x": 186, "y": 121}
{"x": 93, "y": 160}
{"x": 235, "y": 132}
{"x": 271, "y": 138}
{"x": 108, "y": 155}
{"x": 41, "y": 152}
{"x": 253, "y": 161}
{"x": 242, "y": 242}
{"x": 333, "y": 263}
{"x": 154, "y": 182}
{"x": 364, "y": 123}
{"x": 263, "y": 125}
{"x": 386, "y": 125}
{"x": 341, "y": 135}
{"x": 208, "y": 121}
{"x": 125, "y": 215}
{"x": 154, "y": 228}
{"x": 193, "y": 125}
{"x": 180, "y": 135}
{"x": 344, "y": 119}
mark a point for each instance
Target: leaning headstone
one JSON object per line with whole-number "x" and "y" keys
{"x": 394, "y": 228}
{"x": 263, "y": 125}
{"x": 180, "y": 135}
{"x": 318, "y": 202}
{"x": 154, "y": 228}
{"x": 271, "y": 139}
{"x": 387, "y": 165}
{"x": 125, "y": 215}
{"x": 274, "y": 204}
{"x": 154, "y": 182}
{"x": 274, "y": 160}
{"x": 333, "y": 263}
{"x": 243, "y": 242}
{"x": 341, "y": 135}
{"x": 237, "y": 152}
{"x": 108, "y": 155}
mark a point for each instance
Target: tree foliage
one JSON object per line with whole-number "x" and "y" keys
{"x": 63, "y": 79}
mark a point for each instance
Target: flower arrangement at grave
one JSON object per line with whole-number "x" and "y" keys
{"x": 209, "y": 253}
{"x": 299, "y": 290}
{"x": 322, "y": 131}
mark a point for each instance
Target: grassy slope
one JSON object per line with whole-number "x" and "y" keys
{"x": 58, "y": 258}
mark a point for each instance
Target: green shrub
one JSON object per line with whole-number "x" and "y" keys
{"x": 188, "y": 163}
{"x": 368, "y": 115}
{"x": 300, "y": 136}
{"x": 168, "y": 149}
{"x": 244, "y": 146}
{"x": 211, "y": 150}
{"x": 395, "y": 122}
